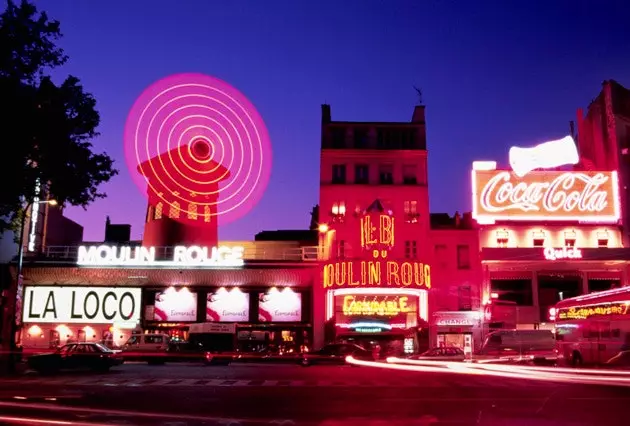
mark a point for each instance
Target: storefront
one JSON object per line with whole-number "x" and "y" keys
{"x": 375, "y": 299}
{"x": 56, "y": 315}
{"x": 458, "y": 329}
{"x": 106, "y": 293}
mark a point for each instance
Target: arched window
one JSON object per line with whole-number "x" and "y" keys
{"x": 206, "y": 214}
{"x": 192, "y": 211}
{"x": 158, "y": 211}
{"x": 173, "y": 212}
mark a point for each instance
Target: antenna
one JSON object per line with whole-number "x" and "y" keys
{"x": 419, "y": 94}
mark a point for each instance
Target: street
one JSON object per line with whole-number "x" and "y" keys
{"x": 318, "y": 395}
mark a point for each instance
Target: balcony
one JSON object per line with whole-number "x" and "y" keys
{"x": 252, "y": 252}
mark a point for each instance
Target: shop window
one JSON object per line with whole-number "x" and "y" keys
{"x": 538, "y": 238}
{"x": 192, "y": 211}
{"x": 410, "y": 174}
{"x": 463, "y": 257}
{"x": 158, "y": 210}
{"x": 411, "y": 211}
{"x": 411, "y": 250}
{"x": 602, "y": 239}
{"x": 516, "y": 291}
{"x": 503, "y": 237}
{"x": 207, "y": 216}
{"x": 569, "y": 238}
{"x": 339, "y": 173}
{"x": 361, "y": 174}
{"x": 386, "y": 174}
{"x": 338, "y": 211}
{"x": 173, "y": 211}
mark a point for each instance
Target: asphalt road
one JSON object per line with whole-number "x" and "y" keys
{"x": 293, "y": 395}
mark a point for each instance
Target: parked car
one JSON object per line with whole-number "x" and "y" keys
{"x": 152, "y": 348}
{"x": 440, "y": 354}
{"x": 335, "y": 353}
{"x": 92, "y": 356}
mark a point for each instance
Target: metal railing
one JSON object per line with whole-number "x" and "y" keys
{"x": 290, "y": 254}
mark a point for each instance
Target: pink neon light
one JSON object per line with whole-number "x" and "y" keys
{"x": 592, "y": 218}
{"x": 562, "y": 253}
{"x": 198, "y": 141}
{"x": 423, "y": 308}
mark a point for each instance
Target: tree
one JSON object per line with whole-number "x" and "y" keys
{"x": 46, "y": 129}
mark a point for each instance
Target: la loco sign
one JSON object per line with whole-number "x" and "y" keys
{"x": 145, "y": 256}
{"x": 85, "y": 305}
{"x": 545, "y": 195}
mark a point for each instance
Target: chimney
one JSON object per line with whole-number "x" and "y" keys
{"x": 418, "y": 114}
{"x": 457, "y": 219}
{"x": 326, "y": 117}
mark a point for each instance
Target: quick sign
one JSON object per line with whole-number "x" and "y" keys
{"x": 145, "y": 256}
{"x": 85, "y": 305}
{"x": 562, "y": 253}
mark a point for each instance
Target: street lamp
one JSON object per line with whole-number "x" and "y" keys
{"x": 10, "y": 326}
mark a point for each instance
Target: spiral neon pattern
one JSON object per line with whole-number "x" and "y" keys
{"x": 200, "y": 146}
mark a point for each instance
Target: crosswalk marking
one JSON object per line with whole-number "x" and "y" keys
{"x": 113, "y": 381}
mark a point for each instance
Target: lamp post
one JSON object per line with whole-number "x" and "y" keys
{"x": 9, "y": 325}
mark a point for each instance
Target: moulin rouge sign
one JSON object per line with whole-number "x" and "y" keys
{"x": 529, "y": 194}
{"x": 377, "y": 237}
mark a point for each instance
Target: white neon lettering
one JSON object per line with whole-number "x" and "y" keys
{"x": 562, "y": 253}
{"x": 32, "y": 237}
{"x": 500, "y": 194}
{"x": 547, "y": 155}
{"x": 145, "y": 256}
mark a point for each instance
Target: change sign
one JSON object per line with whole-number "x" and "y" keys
{"x": 86, "y": 305}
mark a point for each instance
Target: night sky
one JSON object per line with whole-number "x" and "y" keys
{"x": 493, "y": 73}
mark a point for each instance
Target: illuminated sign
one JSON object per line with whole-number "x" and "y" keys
{"x": 562, "y": 253}
{"x": 145, "y": 256}
{"x": 372, "y": 236}
{"x": 227, "y": 306}
{"x": 547, "y": 155}
{"x": 175, "y": 305}
{"x": 377, "y": 305}
{"x": 280, "y": 306}
{"x": 32, "y": 237}
{"x": 584, "y": 312}
{"x": 587, "y": 196}
{"x": 377, "y": 273}
{"x": 85, "y": 305}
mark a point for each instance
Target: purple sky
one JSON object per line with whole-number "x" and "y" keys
{"x": 495, "y": 75}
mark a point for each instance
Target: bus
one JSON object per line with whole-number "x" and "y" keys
{"x": 593, "y": 329}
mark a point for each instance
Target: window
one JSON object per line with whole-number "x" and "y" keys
{"x": 361, "y": 174}
{"x": 569, "y": 239}
{"x": 192, "y": 211}
{"x": 602, "y": 239}
{"x": 539, "y": 239}
{"x": 338, "y": 136}
{"x": 158, "y": 210}
{"x": 503, "y": 237}
{"x": 338, "y": 211}
{"x": 386, "y": 174}
{"x": 441, "y": 258}
{"x": 410, "y": 174}
{"x": 411, "y": 250}
{"x": 173, "y": 212}
{"x": 339, "y": 173}
{"x": 411, "y": 211}
{"x": 463, "y": 257}
{"x": 360, "y": 138}
{"x": 464, "y": 295}
{"x": 341, "y": 249}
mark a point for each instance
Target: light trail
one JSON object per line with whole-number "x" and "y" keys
{"x": 547, "y": 374}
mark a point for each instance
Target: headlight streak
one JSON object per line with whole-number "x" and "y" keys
{"x": 548, "y": 374}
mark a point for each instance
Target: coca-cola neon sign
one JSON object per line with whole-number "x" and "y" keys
{"x": 563, "y": 253}
{"x": 588, "y": 196}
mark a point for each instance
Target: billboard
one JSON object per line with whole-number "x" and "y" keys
{"x": 85, "y": 305}
{"x": 227, "y": 306}
{"x": 280, "y": 306}
{"x": 549, "y": 195}
{"x": 176, "y": 305}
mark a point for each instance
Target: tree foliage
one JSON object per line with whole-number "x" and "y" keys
{"x": 46, "y": 129}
